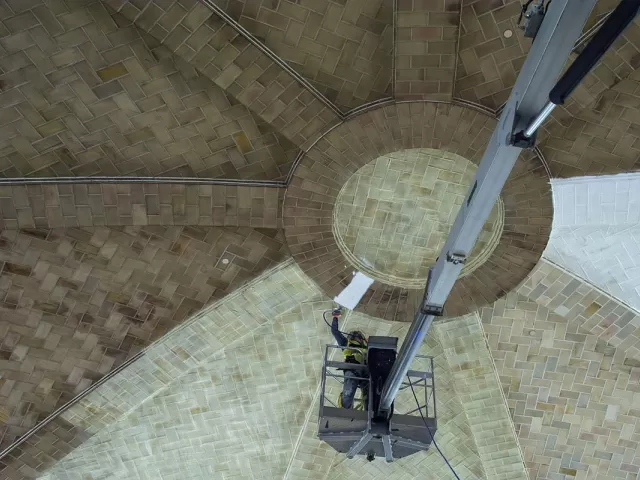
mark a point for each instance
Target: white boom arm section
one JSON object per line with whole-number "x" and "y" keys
{"x": 550, "y": 51}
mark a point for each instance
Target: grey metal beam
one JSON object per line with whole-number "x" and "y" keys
{"x": 386, "y": 444}
{"x": 558, "y": 33}
{"x": 359, "y": 445}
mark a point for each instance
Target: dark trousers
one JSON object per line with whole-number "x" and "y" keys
{"x": 351, "y": 384}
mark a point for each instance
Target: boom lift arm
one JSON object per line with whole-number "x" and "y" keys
{"x": 525, "y": 110}
{"x": 533, "y": 98}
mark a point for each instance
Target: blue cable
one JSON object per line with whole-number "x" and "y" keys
{"x": 427, "y": 425}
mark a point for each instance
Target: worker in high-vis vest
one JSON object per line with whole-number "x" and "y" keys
{"x": 358, "y": 354}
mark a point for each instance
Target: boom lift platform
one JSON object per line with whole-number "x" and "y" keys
{"x": 377, "y": 430}
{"x": 357, "y": 431}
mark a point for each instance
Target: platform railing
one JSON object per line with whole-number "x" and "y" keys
{"x": 421, "y": 378}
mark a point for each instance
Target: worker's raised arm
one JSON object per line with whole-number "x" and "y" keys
{"x": 337, "y": 334}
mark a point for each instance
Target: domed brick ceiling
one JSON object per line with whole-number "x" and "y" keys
{"x": 392, "y": 216}
{"x": 268, "y": 109}
{"x": 344, "y": 207}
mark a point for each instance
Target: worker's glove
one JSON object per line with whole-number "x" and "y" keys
{"x": 335, "y": 313}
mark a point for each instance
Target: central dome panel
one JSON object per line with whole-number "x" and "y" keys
{"x": 392, "y": 217}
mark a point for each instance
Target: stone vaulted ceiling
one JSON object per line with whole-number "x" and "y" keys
{"x": 156, "y": 155}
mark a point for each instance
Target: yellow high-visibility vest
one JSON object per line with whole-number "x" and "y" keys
{"x": 356, "y": 353}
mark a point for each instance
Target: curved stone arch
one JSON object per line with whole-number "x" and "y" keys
{"x": 460, "y": 129}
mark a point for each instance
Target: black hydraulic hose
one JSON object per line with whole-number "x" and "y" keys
{"x": 610, "y": 30}
{"x": 324, "y": 315}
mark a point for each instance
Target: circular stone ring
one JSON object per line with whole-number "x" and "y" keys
{"x": 379, "y": 192}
